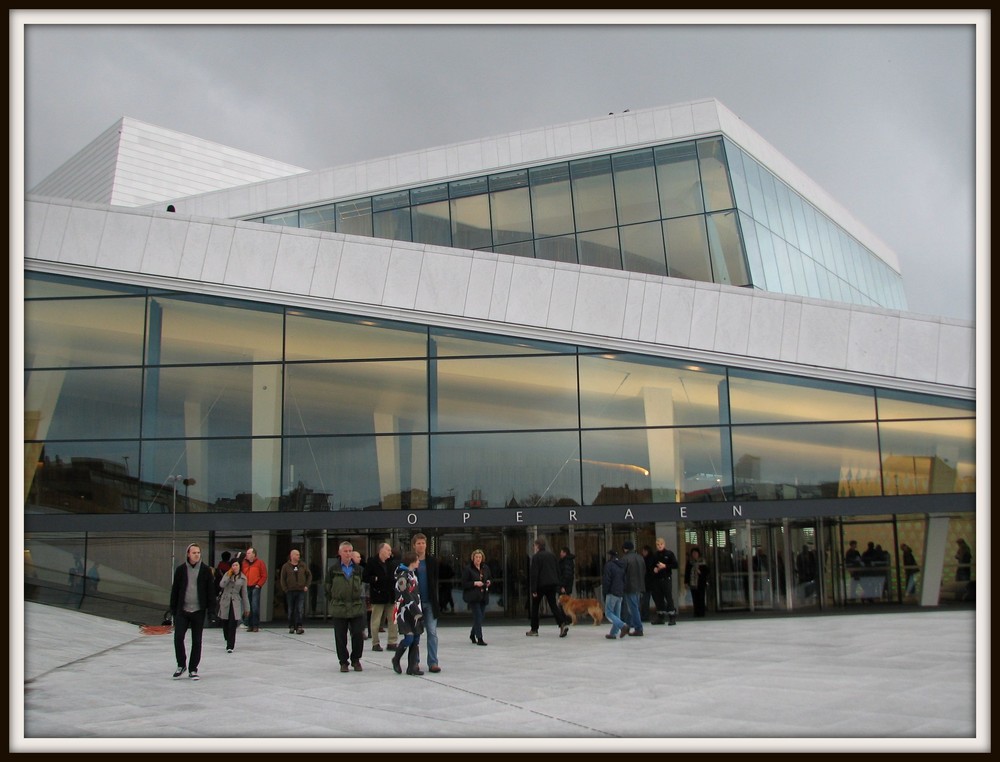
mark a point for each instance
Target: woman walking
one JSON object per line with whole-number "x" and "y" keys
{"x": 409, "y": 615}
{"x": 233, "y": 602}
{"x": 476, "y": 591}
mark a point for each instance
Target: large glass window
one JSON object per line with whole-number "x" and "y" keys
{"x": 192, "y": 329}
{"x": 447, "y": 342}
{"x": 356, "y": 397}
{"x": 393, "y": 224}
{"x": 46, "y": 286}
{"x": 288, "y": 219}
{"x": 714, "y": 175}
{"x": 357, "y": 473}
{"x": 432, "y": 223}
{"x": 505, "y": 393}
{"x": 82, "y": 477}
{"x": 83, "y": 332}
{"x": 470, "y": 222}
{"x": 551, "y": 200}
{"x": 511, "y": 215}
{"x": 515, "y": 470}
{"x": 728, "y": 262}
{"x": 593, "y": 193}
{"x": 894, "y": 404}
{"x": 319, "y": 218}
{"x": 766, "y": 398}
{"x": 325, "y": 336}
{"x": 630, "y": 390}
{"x": 687, "y": 249}
{"x": 82, "y": 404}
{"x": 678, "y": 180}
{"x": 599, "y": 248}
{"x": 557, "y": 249}
{"x": 801, "y": 461}
{"x": 642, "y": 248}
{"x": 635, "y": 186}
{"x": 355, "y": 217}
{"x": 928, "y": 457}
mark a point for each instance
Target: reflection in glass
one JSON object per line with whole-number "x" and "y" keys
{"x": 355, "y": 217}
{"x": 82, "y": 404}
{"x": 593, "y": 193}
{"x": 287, "y": 219}
{"x": 802, "y": 461}
{"x": 355, "y": 473}
{"x": 757, "y": 397}
{"x": 687, "y": 249}
{"x": 894, "y": 404}
{"x": 356, "y": 397}
{"x": 551, "y": 202}
{"x": 326, "y": 336}
{"x": 432, "y": 224}
{"x": 599, "y": 248}
{"x": 642, "y": 248}
{"x": 393, "y": 224}
{"x": 928, "y": 457}
{"x": 515, "y": 470}
{"x": 46, "y": 285}
{"x": 319, "y": 218}
{"x": 82, "y": 477}
{"x": 449, "y": 342}
{"x": 470, "y": 222}
{"x": 558, "y": 249}
{"x": 635, "y": 187}
{"x": 505, "y": 393}
{"x": 511, "y": 214}
{"x": 728, "y": 263}
{"x": 83, "y": 332}
{"x": 678, "y": 180}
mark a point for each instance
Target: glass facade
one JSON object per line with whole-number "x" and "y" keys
{"x": 700, "y": 209}
{"x": 279, "y": 409}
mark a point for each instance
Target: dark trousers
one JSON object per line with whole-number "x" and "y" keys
{"x": 295, "y": 602}
{"x": 356, "y": 625}
{"x": 698, "y": 599}
{"x": 183, "y": 621}
{"x": 663, "y": 596}
{"x": 548, "y": 592}
{"x": 229, "y": 628}
{"x": 478, "y": 615}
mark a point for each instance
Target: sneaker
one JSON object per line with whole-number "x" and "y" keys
{"x": 179, "y": 672}
{"x": 357, "y": 666}
{"x": 376, "y": 647}
{"x": 229, "y": 650}
{"x": 532, "y": 633}
{"x": 564, "y": 631}
{"x": 193, "y": 674}
{"x": 291, "y": 630}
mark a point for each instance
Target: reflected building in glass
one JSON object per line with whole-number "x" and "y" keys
{"x": 641, "y": 325}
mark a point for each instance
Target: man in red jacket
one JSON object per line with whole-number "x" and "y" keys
{"x": 256, "y": 574}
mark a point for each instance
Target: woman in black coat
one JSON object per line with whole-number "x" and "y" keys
{"x": 475, "y": 591}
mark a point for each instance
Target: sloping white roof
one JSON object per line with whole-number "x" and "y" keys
{"x": 133, "y": 164}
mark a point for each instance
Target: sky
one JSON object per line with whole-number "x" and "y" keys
{"x": 879, "y": 109}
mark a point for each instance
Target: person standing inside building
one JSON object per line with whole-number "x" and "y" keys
{"x": 696, "y": 579}
{"x": 853, "y": 562}
{"x": 910, "y": 567}
{"x": 567, "y": 571}
{"x": 428, "y": 579}
{"x": 476, "y": 581}
{"x": 233, "y": 602}
{"x": 256, "y": 574}
{"x": 294, "y": 579}
{"x": 963, "y": 572}
{"x": 807, "y": 571}
{"x": 664, "y": 563}
{"x": 613, "y": 585}
{"x": 380, "y": 573}
{"x": 343, "y": 592}
{"x": 635, "y": 585}
{"x": 543, "y": 582}
{"x": 190, "y": 596}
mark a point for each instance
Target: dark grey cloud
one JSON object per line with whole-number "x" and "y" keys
{"x": 880, "y": 115}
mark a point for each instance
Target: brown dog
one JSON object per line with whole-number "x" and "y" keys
{"x": 574, "y": 607}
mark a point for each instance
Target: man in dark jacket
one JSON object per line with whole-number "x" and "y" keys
{"x": 567, "y": 571}
{"x": 664, "y": 563}
{"x": 543, "y": 582}
{"x": 190, "y": 596}
{"x": 380, "y": 574}
{"x": 635, "y": 584}
{"x": 613, "y": 585}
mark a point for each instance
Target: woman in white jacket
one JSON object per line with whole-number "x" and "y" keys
{"x": 233, "y": 603}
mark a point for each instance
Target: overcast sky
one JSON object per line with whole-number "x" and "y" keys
{"x": 882, "y": 116}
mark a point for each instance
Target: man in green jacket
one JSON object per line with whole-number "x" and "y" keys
{"x": 343, "y": 592}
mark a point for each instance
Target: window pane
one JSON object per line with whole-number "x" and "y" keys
{"x": 356, "y": 473}
{"x": 599, "y": 248}
{"x": 897, "y": 404}
{"x": 83, "y": 477}
{"x": 628, "y": 390}
{"x": 202, "y": 329}
{"x": 761, "y": 397}
{"x": 356, "y": 398}
{"x": 82, "y": 404}
{"x": 44, "y": 286}
{"x": 511, "y": 212}
{"x": 559, "y": 249}
{"x": 551, "y": 204}
{"x": 757, "y": 277}
{"x": 454, "y": 343}
{"x": 642, "y": 248}
{"x": 287, "y": 219}
{"x": 393, "y": 224}
{"x": 81, "y": 332}
{"x": 432, "y": 224}
{"x": 802, "y": 461}
{"x": 625, "y": 467}
{"x": 387, "y": 201}
{"x": 355, "y": 217}
{"x": 593, "y": 193}
{"x": 470, "y": 222}
{"x": 522, "y": 249}
{"x": 516, "y": 470}
{"x": 928, "y": 457}
{"x": 728, "y": 262}
{"x": 220, "y": 401}
{"x": 678, "y": 180}
{"x": 319, "y": 218}
{"x": 505, "y": 393}
{"x": 322, "y": 336}
{"x": 687, "y": 248}
{"x": 714, "y": 175}
{"x": 635, "y": 187}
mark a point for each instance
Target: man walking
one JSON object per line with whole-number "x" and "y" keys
{"x": 635, "y": 584}
{"x": 256, "y": 573}
{"x": 294, "y": 580}
{"x": 190, "y": 596}
{"x": 380, "y": 574}
{"x": 543, "y": 582}
{"x": 343, "y": 591}
{"x": 613, "y": 585}
{"x": 428, "y": 578}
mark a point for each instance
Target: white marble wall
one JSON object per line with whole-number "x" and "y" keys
{"x": 513, "y": 295}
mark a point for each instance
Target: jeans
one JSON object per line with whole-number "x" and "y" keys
{"x": 431, "y": 628}
{"x": 356, "y": 625}
{"x": 195, "y": 620}
{"x": 295, "y": 602}
{"x": 613, "y": 610}
{"x": 634, "y": 617}
{"x": 254, "y": 619}
{"x": 478, "y": 616}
